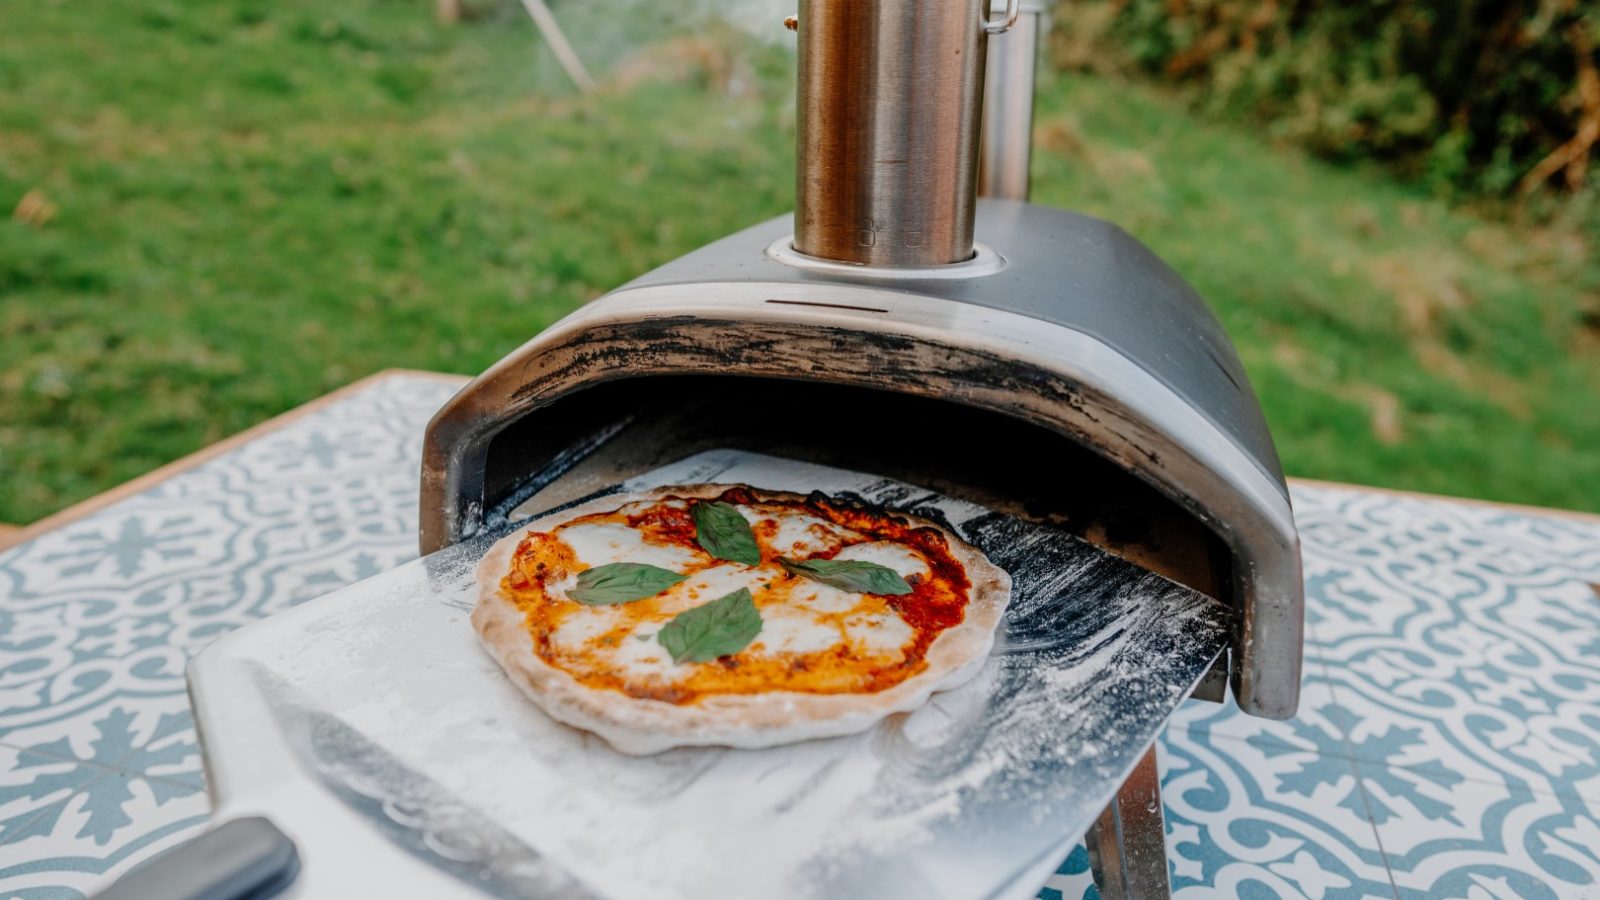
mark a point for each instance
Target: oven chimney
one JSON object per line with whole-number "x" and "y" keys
{"x": 890, "y": 103}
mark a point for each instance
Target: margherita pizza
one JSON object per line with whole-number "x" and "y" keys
{"x": 718, "y": 615}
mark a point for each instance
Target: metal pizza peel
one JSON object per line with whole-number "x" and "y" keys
{"x": 372, "y": 728}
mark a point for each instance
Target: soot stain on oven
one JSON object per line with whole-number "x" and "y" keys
{"x": 696, "y": 345}
{"x": 690, "y": 344}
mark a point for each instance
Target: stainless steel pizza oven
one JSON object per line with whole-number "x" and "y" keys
{"x": 1030, "y": 359}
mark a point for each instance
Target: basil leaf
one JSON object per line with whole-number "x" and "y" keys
{"x": 724, "y": 533}
{"x": 621, "y": 583}
{"x": 725, "y": 625}
{"x": 850, "y": 575}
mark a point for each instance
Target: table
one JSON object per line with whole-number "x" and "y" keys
{"x": 1448, "y": 741}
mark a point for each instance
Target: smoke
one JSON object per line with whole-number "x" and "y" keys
{"x": 606, "y": 33}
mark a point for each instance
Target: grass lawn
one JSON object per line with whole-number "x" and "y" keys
{"x": 223, "y": 210}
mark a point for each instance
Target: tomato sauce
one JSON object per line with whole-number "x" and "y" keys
{"x": 937, "y": 602}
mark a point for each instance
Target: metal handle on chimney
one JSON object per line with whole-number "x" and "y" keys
{"x": 1004, "y": 23}
{"x": 1007, "y": 144}
{"x": 890, "y": 102}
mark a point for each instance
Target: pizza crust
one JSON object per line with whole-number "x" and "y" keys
{"x": 638, "y": 726}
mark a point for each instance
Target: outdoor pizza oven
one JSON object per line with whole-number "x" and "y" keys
{"x": 1031, "y": 356}
{"x": 1026, "y": 358}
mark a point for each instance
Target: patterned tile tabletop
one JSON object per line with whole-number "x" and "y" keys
{"x": 1448, "y": 743}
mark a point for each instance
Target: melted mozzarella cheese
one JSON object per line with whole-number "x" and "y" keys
{"x": 709, "y": 584}
{"x": 882, "y": 632}
{"x": 905, "y": 561}
{"x": 599, "y": 543}
{"x": 824, "y": 598}
{"x": 640, "y": 655}
{"x": 802, "y": 535}
{"x": 787, "y": 630}
{"x": 583, "y": 625}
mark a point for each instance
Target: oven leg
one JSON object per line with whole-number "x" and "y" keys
{"x": 1128, "y": 844}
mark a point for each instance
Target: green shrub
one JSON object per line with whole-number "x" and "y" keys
{"x": 1480, "y": 95}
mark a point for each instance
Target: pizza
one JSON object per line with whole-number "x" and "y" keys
{"x": 734, "y": 616}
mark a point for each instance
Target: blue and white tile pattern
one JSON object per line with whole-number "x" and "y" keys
{"x": 1448, "y": 743}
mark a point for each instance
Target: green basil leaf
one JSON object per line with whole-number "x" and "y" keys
{"x": 725, "y": 625}
{"x": 850, "y": 575}
{"x": 724, "y": 533}
{"x": 621, "y": 582}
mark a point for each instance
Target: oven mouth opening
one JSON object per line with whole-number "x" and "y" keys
{"x": 598, "y": 436}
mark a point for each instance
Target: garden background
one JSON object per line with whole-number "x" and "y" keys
{"x": 211, "y": 213}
